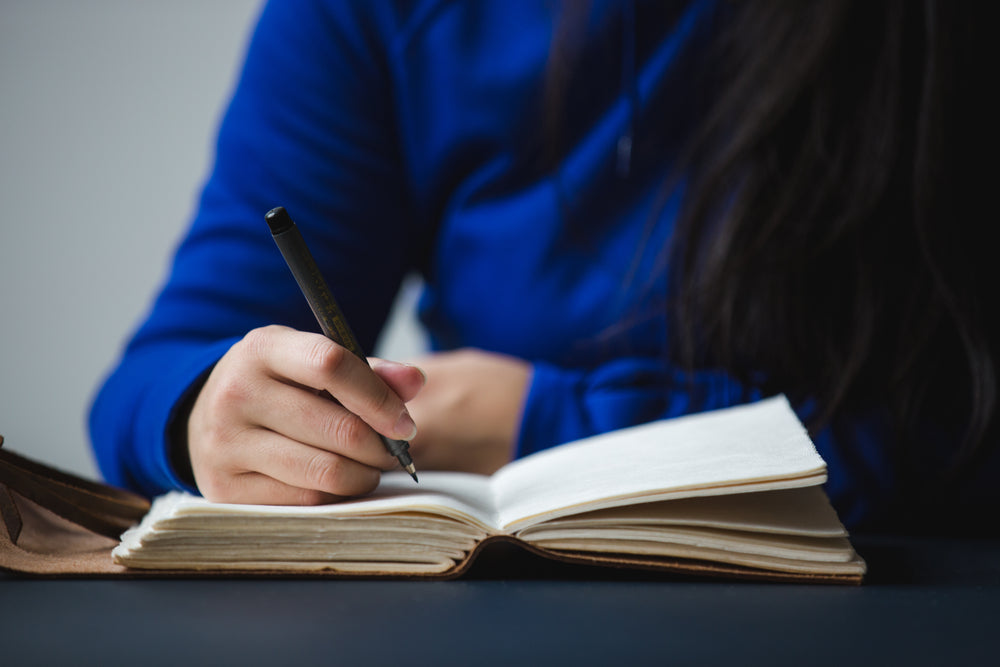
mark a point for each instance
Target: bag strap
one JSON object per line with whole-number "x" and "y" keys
{"x": 100, "y": 508}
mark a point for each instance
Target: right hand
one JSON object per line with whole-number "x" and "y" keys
{"x": 260, "y": 431}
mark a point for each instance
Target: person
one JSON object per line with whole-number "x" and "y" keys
{"x": 621, "y": 210}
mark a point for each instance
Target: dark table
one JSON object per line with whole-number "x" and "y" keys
{"x": 926, "y": 602}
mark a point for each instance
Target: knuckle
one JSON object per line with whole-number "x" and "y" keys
{"x": 346, "y": 429}
{"x": 256, "y": 342}
{"x": 231, "y": 391}
{"x": 325, "y": 358}
{"x": 323, "y": 472}
{"x": 312, "y": 497}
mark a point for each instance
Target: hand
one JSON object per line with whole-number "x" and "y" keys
{"x": 261, "y": 431}
{"x": 469, "y": 411}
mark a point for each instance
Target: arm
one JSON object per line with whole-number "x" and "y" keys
{"x": 480, "y": 409}
{"x": 568, "y": 404}
{"x": 309, "y": 128}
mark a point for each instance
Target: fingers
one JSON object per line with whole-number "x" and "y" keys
{"x": 259, "y": 432}
{"x": 305, "y": 467}
{"x": 312, "y": 360}
{"x": 320, "y": 423}
{"x": 256, "y": 489}
{"x": 266, "y": 467}
{"x": 405, "y": 380}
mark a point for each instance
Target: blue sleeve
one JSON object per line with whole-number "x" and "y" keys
{"x": 309, "y": 128}
{"x": 568, "y": 404}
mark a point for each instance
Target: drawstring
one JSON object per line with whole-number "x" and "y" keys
{"x": 630, "y": 89}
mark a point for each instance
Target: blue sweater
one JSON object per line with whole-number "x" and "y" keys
{"x": 415, "y": 136}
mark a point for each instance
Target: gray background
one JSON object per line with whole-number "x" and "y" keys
{"x": 108, "y": 112}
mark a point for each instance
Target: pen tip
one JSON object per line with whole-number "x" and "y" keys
{"x": 413, "y": 472}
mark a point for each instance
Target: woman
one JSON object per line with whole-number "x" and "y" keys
{"x": 628, "y": 211}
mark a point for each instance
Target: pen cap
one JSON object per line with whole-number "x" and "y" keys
{"x": 278, "y": 220}
{"x": 300, "y": 261}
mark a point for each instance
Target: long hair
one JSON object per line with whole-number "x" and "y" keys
{"x": 834, "y": 241}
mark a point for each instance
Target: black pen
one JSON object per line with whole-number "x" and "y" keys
{"x": 324, "y": 306}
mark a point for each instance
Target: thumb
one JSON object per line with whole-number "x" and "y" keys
{"x": 404, "y": 379}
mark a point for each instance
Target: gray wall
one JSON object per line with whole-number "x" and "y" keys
{"x": 108, "y": 110}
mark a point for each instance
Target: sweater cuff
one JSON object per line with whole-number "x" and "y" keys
{"x": 157, "y": 414}
{"x": 553, "y": 411}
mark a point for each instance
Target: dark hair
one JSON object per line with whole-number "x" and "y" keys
{"x": 835, "y": 237}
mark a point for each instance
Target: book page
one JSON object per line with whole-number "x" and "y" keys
{"x": 803, "y": 511}
{"x": 460, "y": 496}
{"x": 745, "y": 448}
{"x": 401, "y": 528}
{"x": 731, "y": 552}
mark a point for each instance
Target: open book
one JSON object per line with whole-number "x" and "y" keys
{"x": 731, "y": 492}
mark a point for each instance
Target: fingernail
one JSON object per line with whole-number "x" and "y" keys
{"x": 405, "y": 429}
{"x": 388, "y": 362}
{"x": 423, "y": 374}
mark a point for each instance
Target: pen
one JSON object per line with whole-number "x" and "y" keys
{"x": 331, "y": 320}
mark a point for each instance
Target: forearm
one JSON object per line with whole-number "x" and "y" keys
{"x": 567, "y": 404}
{"x": 132, "y": 413}
{"x": 306, "y": 129}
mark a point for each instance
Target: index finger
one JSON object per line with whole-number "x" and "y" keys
{"x": 313, "y": 360}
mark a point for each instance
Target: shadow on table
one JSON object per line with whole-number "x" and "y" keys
{"x": 892, "y": 560}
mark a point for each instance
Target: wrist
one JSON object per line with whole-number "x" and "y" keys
{"x": 178, "y": 454}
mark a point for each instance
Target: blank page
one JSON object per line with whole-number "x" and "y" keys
{"x": 745, "y": 448}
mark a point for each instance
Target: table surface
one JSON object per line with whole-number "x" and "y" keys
{"x": 925, "y": 601}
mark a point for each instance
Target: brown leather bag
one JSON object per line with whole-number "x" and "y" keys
{"x": 55, "y": 523}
